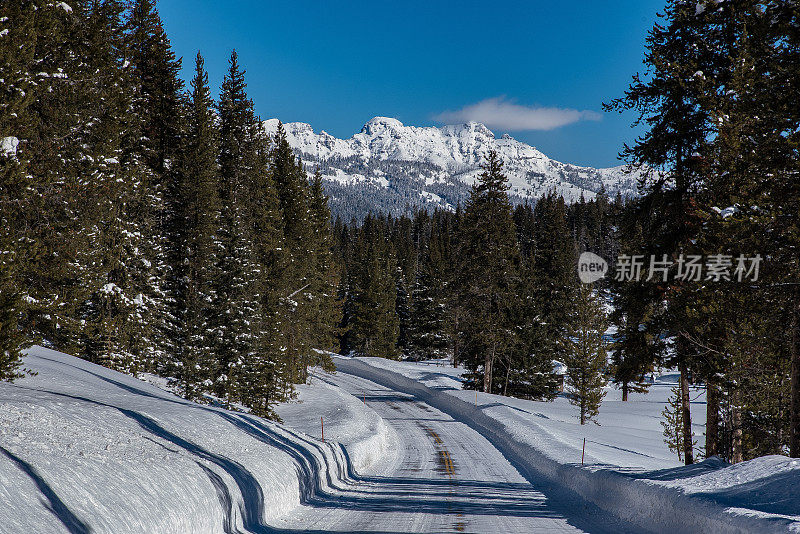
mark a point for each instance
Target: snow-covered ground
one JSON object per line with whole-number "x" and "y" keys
{"x": 368, "y": 439}
{"x": 86, "y": 449}
{"x": 629, "y": 434}
{"x": 628, "y": 469}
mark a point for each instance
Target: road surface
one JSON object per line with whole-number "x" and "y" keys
{"x": 445, "y": 477}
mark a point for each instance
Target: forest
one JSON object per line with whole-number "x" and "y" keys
{"x": 151, "y": 227}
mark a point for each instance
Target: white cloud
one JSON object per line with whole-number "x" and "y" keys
{"x": 503, "y": 114}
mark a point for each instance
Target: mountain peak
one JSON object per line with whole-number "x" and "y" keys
{"x": 379, "y": 124}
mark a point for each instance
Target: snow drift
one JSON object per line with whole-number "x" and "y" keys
{"x": 86, "y": 449}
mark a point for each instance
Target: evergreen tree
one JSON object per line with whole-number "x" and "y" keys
{"x": 373, "y": 325}
{"x": 488, "y": 275}
{"x": 267, "y": 372}
{"x": 235, "y": 307}
{"x": 428, "y": 325}
{"x": 406, "y": 255}
{"x": 637, "y": 343}
{"x": 552, "y": 281}
{"x": 17, "y": 53}
{"x": 325, "y": 273}
{"x": 669, "y": 102}
{"x": 116, "y": 317}
{"x": 198, "y": 249}
{"x": 528, "y": 366}
{"x": 48, "y": 114}
{"x": 586, "y": 356}
{"x": 293, "y": 191}
{"x": 673, "y": 423}
{"x": 158, "y": 107}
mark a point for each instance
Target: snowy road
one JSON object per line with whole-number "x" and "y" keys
{"x": 445, "y": 477}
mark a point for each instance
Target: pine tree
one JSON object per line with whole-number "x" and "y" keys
{"x": 586, "y": 356}
{"x": 325, "y": 274}
{"x": 488, "y": 274}
{"x": 117, "y": 327}
{"x": 673, "y": 423}
{"x": 197, "y": 256}
{"x": 529, "y": 367}
{"x": 269, "y": 371}
{"x": 553, "y": 273}
{"x": 373, "y": 326}
{"x": 235, "y": 307}
{"x": 636, "y": 342}
{"x": 17, "y": 52}
{"x": 669, "y": 101}
{"x": 301, "y": 288}
{"x": 428, "y": 326}
{"x": 158, "y": 104}
{"x": 47, "y": 114}
{"x": 407, "y": 255}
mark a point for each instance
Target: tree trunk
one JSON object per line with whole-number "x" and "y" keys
{"x": 712, "y": 418}
{"x": 736, "y": 430}
{"x": 794, "y": 403}
{"x": 625, "y": 391}
{"x": 582, "y": 392}
{"x": 686, "y": 414}
{"x": 456, "y": 344}
{"x": 487, "y": 370}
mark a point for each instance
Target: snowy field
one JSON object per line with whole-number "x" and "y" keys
{"x": 629, "y": 434}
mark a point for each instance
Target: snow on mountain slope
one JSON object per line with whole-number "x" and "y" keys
{"x": 85, "y": 449}
{"x": 386, "y": 153}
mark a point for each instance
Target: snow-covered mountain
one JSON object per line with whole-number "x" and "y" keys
{"x": 389, "y": 166}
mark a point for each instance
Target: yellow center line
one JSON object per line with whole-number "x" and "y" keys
{"x": 444, "y": 456}
{"x": 443, "y": 453}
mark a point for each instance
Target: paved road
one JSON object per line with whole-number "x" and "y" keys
{"x": 445, "y": 477}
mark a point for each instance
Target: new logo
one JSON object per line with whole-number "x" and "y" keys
{"x": 591, "y": 267}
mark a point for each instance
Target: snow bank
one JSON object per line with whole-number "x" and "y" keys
{"x": 358, "y": 428}
{"x": 709, "y": 497}
{"x": 86, "y": 449}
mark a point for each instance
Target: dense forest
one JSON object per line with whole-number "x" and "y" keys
{"x": 149, "y": 227}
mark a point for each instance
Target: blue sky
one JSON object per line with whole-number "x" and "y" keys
{"x": 520, "y": 66}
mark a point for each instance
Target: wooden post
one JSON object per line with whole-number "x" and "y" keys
{"x": 584, "y": 450}
{"x": 476, "y": 397}
{"x": 322, "y": 426}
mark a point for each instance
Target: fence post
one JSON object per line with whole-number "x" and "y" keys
{"x": 584, "y": 450}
